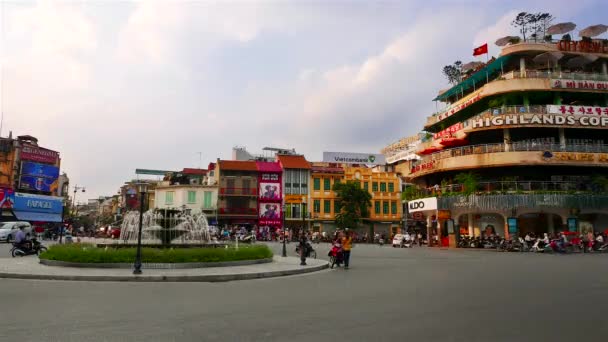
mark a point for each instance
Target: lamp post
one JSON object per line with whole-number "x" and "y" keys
{"x": 76, "y": 188}
{"x": 142, "y": 188}
{"x": 284, "y": 254}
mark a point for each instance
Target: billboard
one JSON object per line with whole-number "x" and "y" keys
{"x": 270, "y": 214}
{"x": 7, "y": 198}
{"x": 38, "y": 203}
{"x": 39, "y": 154}
{"x": 270, "y": 191}
{"x": 38, "y": 177}
{"x": 354, "y": 158}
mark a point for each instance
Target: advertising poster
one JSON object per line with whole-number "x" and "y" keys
{"x": 38, "y": 177}
{"x": 270, "y": 191}
{"x": 270, "y": 214}
{"x": 7, "y": 198}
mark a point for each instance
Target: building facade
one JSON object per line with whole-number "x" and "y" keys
{"x": 238, "y": 192}
{"x": 296, "y": 176}
{"x": 323, "y": 176}
{"x": 520, "y": 147}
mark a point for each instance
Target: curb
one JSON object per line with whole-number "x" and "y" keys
{"x": 167, "y": 278}
{"x": 155, "y": 266}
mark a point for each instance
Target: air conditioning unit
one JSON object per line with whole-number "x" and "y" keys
{"x": 194, "y": 181}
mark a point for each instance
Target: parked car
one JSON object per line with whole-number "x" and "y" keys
{"x": 9, "y": 229}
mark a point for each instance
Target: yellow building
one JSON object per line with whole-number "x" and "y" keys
{"x": 385, "y": 187}
{"x": 323, "y": 198}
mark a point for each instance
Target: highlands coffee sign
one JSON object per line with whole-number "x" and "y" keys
{"x": 354, "y": 158}
{"x": 540, "y": 120}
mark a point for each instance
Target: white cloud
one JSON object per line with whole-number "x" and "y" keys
{"x": 500, "y": 29}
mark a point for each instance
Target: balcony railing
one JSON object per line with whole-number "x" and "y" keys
{"x": 508, "y": 187}
{"x": 513, "y": 147}
{"x": 238, "y": 211}
{"x": 239, "y": 191}
{"x": 583, "y": 76}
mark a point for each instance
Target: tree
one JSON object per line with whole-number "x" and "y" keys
{"x": 354, "y": 203}
{"x": 469, "y": 181}
{"x": 522, "y": 21}
{"x": 453, "y": 72}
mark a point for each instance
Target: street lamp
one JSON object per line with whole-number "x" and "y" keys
{"x": 284, "y": 254}
{"x": 76, "y": 188}
{"x": 142, "y": 188}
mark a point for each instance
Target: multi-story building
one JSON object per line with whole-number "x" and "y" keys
{"x": 238, "y": 192}
{"x": 522, "y": 145}
{"x": 188, "y": 189}
{"x": 384, "y": 185}
{"x": 270, "y": 194}
{"x": 323, "y": 176}
{"x": 296, "y": 175}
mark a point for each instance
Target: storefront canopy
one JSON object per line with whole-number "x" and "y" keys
{"x": 37, "y": 217}
{"x": 476, "y": 80}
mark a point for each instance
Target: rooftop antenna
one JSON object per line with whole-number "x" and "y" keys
{"x": 200, "y": 160}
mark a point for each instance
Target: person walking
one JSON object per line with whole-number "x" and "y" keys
{"x": 303, "y": 247}
{"x": 347, "y": 245}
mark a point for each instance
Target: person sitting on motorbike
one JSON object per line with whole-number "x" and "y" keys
{"x": 21, "y": 240}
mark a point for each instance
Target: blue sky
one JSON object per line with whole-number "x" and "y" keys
{"x": 117, "y": 85}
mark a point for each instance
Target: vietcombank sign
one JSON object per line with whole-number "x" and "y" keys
{"x": 353, "y": 158}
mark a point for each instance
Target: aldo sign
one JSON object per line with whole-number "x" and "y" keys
{"x": 422, "y": 204}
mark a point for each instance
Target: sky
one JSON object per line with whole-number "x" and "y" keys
{"x": 116, "y": 85}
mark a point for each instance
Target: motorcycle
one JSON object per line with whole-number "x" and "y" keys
{"x": 310, "y": 251}
{"x": 36, "y": 248}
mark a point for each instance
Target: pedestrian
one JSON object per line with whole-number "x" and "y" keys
{"x": 303, "y": 245}
{"x": 347, "y": 245}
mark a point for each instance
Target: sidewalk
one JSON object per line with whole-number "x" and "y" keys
{"x": 29, "y": 268}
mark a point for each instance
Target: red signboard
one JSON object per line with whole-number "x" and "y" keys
{"x": 39, "y": 154}
{"x": 448, "y": 132}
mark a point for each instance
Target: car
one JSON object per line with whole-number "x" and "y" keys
{"x": 397, "y": 239}
{"x": 9, "y": 229}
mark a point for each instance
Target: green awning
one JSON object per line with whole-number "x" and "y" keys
{"x": 476, "y": 80}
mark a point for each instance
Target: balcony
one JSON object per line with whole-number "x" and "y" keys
{"x": 515, "y": 154}
{"x": 510, "y": 187}
{"x": 579, "y": 76}
{"x": 238, "y": 191}
{"x": 238, "y": 211}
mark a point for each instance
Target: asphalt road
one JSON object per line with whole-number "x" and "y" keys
{"x": 388, "y": 294}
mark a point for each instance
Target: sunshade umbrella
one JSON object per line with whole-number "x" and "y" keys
{"x": 548, "y": 57}
{"x": 561, "y": 28}
{"x": 471, "y": 65}
{"x": 505, "y": 40}
{"x": 581, "y": 61}
{"x": 593, "y": 30}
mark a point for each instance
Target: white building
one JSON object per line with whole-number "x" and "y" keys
{"x": 195, "y": 197}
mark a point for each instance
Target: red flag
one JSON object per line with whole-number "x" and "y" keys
{"x": 480, "y": 50}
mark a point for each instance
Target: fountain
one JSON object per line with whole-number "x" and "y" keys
{"x": 166, "y": 227}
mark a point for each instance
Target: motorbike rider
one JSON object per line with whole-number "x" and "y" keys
{"x": 21, "y": 240}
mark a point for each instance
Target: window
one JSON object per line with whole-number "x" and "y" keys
{"x": 191, "y": 197}
{"x": 393, "y": 207}
{"x": 317, "y": 206}
{"x": 377, "y": 207}
{"x": 303, "y": 182}
{"x": 327, "y": 206}
{"x": 391, "y": 187}
{"x": 207, "y": 199}
{"x": 366, "y": 186}
{"x": 374, "y": 186}
{"x": 317, "y": 184}
{"x": 304, "y": 212}
{"x": 326, "y": 184}
{"x": 382, "y": 187}
{"x": 288, "y": 211}
{"x": 169, "y": 197}
{"x": 385, "y": 208}
{"x": 337, "y": 207}
{"x": 247, "y": 187}
{"x": 337, "y": 181}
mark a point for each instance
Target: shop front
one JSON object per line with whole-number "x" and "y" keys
{"x": 439, "y": 230}
{"x": 37, "y": 208}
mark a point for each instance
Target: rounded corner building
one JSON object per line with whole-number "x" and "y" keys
{"x": 521, "y": 147}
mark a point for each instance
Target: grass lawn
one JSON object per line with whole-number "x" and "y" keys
{"x": 88, "y": 253}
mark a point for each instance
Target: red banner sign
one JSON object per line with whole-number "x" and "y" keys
{"x": 39, "y": 154}
{"x": 448, "y": 132}
{"x": 451, "y": 111}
